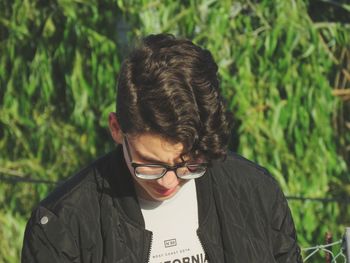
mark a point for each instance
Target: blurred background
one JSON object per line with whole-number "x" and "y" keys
{"x": 284, "y": 70}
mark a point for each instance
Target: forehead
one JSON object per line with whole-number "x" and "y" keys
{"x": 155, "y": 147}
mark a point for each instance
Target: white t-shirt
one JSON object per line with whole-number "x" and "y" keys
{"x": 174, "y": 223}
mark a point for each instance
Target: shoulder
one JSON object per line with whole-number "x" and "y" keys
{"x": 81, "y": 187}
{"x": 239, "y": 170}
{"x": 249, "y": 198}
{"x": 72, "y": 216}
{"x": 76, "y": 198}
{"x": 246, "y": 182}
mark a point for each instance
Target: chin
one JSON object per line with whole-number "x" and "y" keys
{"x": 163, "y": 196}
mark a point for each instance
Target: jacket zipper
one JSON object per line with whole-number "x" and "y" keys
{"x": 204, "y": 246}
{"x": 150, "y": 248}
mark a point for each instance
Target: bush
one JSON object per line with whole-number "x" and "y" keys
{"x": 58, "y": 69}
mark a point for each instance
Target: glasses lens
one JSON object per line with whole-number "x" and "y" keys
{"x": 149, "y": 172}
{"x": 191, "y": 171}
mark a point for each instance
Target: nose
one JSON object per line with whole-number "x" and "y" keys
{"x": 169, "y": 180}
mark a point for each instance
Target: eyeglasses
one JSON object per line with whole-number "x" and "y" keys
{"x": 156, "y": 171}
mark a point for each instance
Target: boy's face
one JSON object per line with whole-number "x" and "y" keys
{"x": 150, "y": 148}
{"x": 153, "y": 149}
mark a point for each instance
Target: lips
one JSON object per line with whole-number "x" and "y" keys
{"x": 165, "y": 191}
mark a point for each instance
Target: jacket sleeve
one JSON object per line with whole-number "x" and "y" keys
{"x": 283, "y": 234}
{"x": 46, "y": 239}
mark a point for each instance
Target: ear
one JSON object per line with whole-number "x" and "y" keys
{"x": 114, "y": 128}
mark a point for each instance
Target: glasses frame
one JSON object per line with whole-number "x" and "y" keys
{"x": 166, "y": 167}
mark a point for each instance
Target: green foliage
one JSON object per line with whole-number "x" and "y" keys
{"x": 11, "y": 234}
{"x": 59, "y": 64}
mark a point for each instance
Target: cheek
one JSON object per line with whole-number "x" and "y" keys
{"x": 143, "y": 184}
{"x": 128, "y": 163}
{"x": 147, "y": 185}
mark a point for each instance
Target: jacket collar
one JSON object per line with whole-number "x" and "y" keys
{"x": 122, "y": 188}
{"x": 124, "y": 195}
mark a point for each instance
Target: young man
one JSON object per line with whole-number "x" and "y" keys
{"x": 170, "y": 192}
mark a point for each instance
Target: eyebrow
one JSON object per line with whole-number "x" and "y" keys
{"x": 147, "y": 159}
{"x": 152, "y": 160}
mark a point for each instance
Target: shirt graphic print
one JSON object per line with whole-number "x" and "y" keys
{"x": 174, "y": 223}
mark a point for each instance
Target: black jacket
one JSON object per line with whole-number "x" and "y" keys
{"x": 95, "y": 217}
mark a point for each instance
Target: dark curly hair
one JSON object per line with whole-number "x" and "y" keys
{"x": 169, "y": 87}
